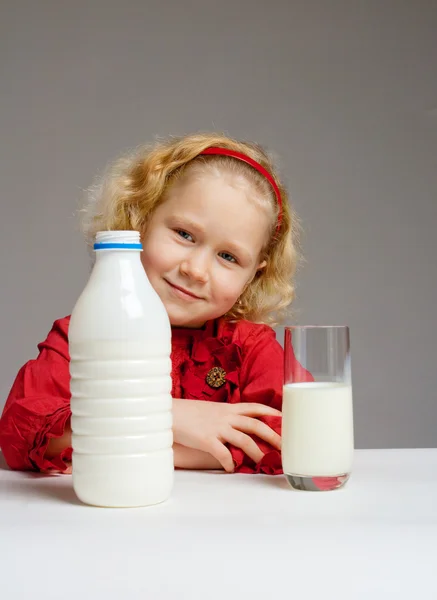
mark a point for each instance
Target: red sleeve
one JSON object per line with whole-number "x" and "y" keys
{"x": 38, "y": 405}
{"x": 261, "y": 381}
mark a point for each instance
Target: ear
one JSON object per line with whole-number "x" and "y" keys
{"x": 261, "y": 265}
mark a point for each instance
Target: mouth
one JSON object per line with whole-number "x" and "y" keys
{"x": 182, "y": 292}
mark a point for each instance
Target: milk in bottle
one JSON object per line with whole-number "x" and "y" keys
{"x": 120, "y": 344}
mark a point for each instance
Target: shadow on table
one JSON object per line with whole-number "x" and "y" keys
{"x": 46, "y": 486}
{"x": 277, "y": 481}
{"x": 41, "y": 485}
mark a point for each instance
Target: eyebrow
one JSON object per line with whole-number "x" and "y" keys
{"x": 230, "y": 246}
{"x": 185, "y": 222}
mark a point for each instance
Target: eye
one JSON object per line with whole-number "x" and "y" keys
{"x": 228, "y": 257}
{"x": 184, "y": 235}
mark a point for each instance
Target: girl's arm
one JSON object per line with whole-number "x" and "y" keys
{"x": 35, "y": 430}
{"x": 58, "y": 445}
{"x": 190, "y": 458}
{"x": 184, "y": 458}
{"x": 38, "y": 408}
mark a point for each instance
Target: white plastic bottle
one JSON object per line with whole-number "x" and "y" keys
{"x": 120, "y": 345}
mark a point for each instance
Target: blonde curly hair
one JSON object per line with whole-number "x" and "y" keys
{"x": 135, "y": 185}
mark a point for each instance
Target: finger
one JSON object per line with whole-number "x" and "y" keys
{"x": 245, "y": 442}
{"x": 253, "y": 409}
{"x": 222, "y": 454}
{"x": 258, "y": 428}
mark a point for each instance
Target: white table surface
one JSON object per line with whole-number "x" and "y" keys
{"x": 228, "y": 536}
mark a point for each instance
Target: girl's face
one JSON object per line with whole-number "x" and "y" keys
{"x": 201, "y": 247}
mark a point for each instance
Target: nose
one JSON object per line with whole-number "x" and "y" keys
{"x": 196, "y": 266}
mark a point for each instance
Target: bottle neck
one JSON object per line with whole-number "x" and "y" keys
{"x": 118, "y": 237}
{"x": 117, "y": 241}
{"x": 119, "y": 245}
{"x": 118, "y": 263}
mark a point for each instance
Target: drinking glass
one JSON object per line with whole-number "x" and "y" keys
{"x": 317, "y": 414}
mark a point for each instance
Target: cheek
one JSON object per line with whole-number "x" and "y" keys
{"x": 145, "y": 259}
{"x": 159, "y": 253}
{"x": 230, "y": 289}
{"x": 151, "y": 261}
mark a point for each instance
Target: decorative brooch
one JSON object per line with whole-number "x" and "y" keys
{"x": 216, "y": 377}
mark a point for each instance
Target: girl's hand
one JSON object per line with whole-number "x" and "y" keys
{"x": 208, "y": 426}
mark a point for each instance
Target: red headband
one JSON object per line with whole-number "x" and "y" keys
{"x": 255, "y": 165}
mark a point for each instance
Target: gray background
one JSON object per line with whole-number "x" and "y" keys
{"x": 343, "y": 92}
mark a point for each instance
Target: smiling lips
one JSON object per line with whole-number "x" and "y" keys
{"x": 182, "y": 292}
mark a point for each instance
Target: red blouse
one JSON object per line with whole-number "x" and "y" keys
{"x": 38, "y": 405}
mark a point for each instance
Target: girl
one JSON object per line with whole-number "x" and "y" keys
{"x": 219, "y": 248}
